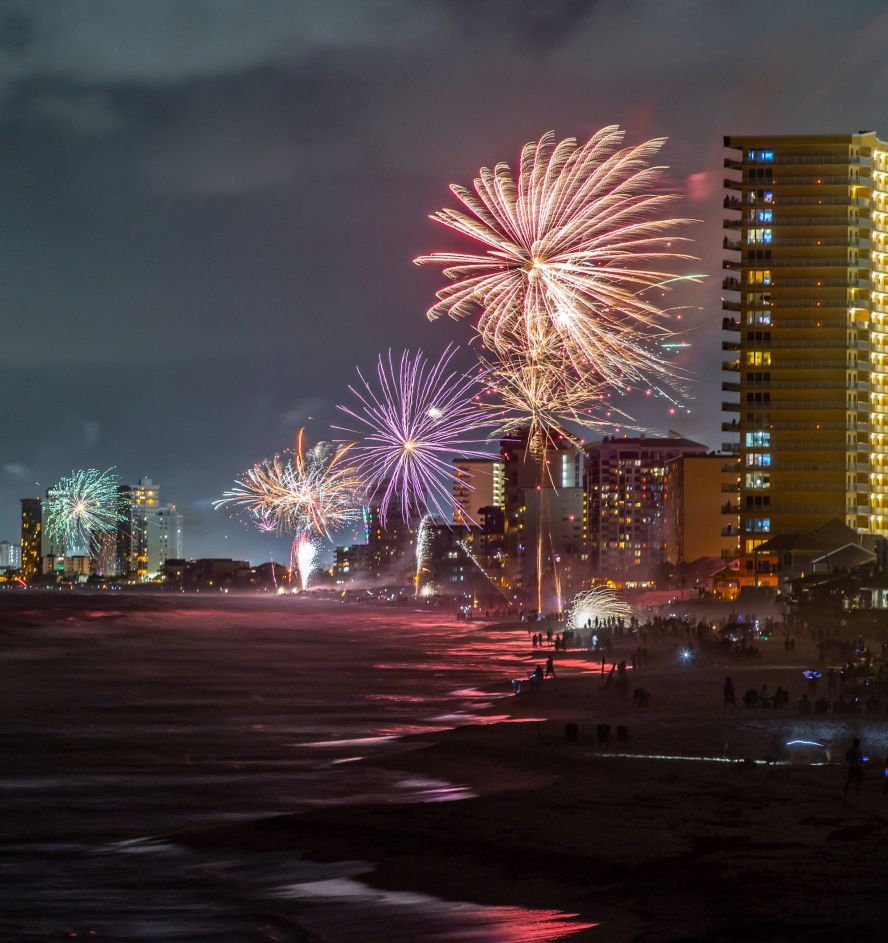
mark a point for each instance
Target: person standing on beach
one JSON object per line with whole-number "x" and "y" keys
{"x": 729, "y": 693}
{"x": 854, "y": 759}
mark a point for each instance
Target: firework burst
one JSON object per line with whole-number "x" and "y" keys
{"x": 570, "y": 250}
{"x": 83, "y": 509}
{"x": 600, "y": 603}
{"x": 413, "y": 422}
{"x": 315, "y": 491}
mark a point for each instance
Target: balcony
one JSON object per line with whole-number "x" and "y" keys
{"x": 730, "y": 408}
{"x": 803, "y": 180}
{"x": 731, "y": 284}
{"x": 813, "y": 303}
{"x": 810, "y": 261}
{"x": 729, "y": 305}
{"x": 730, "y": 184}
{"x": 820, "y": 283}
{"x": 820, "y": 201}
{"x": 733, "y": 246}
{"x": 732, "y": 203}
{"x": 732, "y": 365}
{"x": 791, "y": 221}
{"x": 732, "y": 426}
{"x": 733, "y": 467}
{"x": 815, "y": 160}
{"x": 730, "y": 324}
{"x": 733, "y": 164}
{"x": 732, "y": 530}
{"x": 731, "y": 448}
{"x": 729, "y": 386}
{"x": 730, "y": 345}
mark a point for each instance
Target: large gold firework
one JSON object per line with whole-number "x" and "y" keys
{"x": 571, "y": 250}
{"x": 307, "y": 492}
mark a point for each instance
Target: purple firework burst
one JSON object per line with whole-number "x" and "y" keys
{"x": 414, "y": 421}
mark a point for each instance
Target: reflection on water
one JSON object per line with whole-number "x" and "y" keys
{"x": 124, "y": 725}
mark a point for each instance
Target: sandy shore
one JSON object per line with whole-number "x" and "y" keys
{"x": 649, "y": 846}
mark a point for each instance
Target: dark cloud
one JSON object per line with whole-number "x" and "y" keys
{"x": 210, "y": 208}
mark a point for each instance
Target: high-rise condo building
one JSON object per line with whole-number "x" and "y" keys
{"x": 625, "y": 483}
{"x": 806, "y": 296}
{"x": 478, "y": 483}
{"x": 32, "y": 526}
{"x": 544, "y": 539}
{"x": 10, "y": 555}
{"x": 163, "y": 537}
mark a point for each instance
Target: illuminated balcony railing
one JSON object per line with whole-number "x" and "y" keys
{"x": 810, "y": 365}
{"x": 812, "y": 242}
{"x": 797, "y": 180}
{"x": 815, "y": 303}
{"x": 787, "y": 220}
{"x": 819, "y": 201}
{"x": 863, "y": 283}
{"x": 818, "y": 344}
{"x": 816, "y": 160}
{"x": 807, "y": 384}
{"x": 806, "y": 261}
{"x": 815, "y": 323}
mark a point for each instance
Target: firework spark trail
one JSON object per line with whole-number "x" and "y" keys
{"x": 415, "y": 420}
{"x": 304, "y": 551}
{"x": 600, "y": 602}
{"x": 83, "y": 508}
{"x": 423, "y": 545}
{"x": 568, "y": 250}
{"x": 477, "y": 562}
{"x": 314, "y": 492}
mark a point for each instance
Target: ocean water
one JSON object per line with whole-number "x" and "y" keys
{"x": 122, "y": 726}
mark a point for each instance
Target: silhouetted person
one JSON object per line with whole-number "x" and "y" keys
{"x": 729, "y": 693}
{"x": 854, "y": 759}
{"x": 550, "y": 666}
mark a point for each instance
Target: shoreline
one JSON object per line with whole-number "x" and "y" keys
{"x": 649, "y": 848}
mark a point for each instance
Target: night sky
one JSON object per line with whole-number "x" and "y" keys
{"x": 210, "y": 207}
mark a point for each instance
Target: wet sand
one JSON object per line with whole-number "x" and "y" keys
{"x": 658, "y": 838}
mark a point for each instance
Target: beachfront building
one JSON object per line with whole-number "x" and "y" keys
{"x": 32, "y": 530}
{"x": 478, "y": 483}
{"x": 625, "y": 482}
{"x": 544, "y": 528}
{"x": 806, "y": 305}
{"x": 699, "y": 507}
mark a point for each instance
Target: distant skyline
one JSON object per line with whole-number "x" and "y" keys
{"x": 210, "y": 210}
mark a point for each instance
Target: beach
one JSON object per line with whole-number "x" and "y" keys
{"x": 709, "y": 823}
{"x": 264, "y": 770}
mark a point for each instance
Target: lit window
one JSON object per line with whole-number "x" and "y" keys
{"x": 758, "y": 439}
{"x": 758, "y": 358}
{"x": 765, "y": 216}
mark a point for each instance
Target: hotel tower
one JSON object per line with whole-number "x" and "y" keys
{"x": 806, "y": 304}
